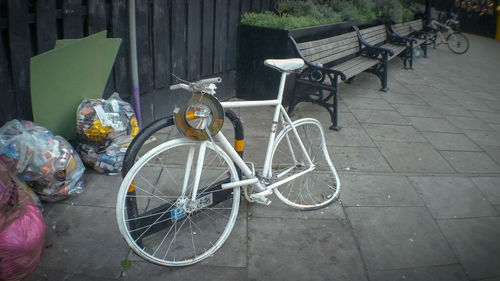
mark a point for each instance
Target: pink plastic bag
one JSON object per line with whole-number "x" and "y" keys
{"x": 22, "y": 238}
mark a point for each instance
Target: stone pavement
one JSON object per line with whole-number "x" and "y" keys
{"x": 420, "y": 172}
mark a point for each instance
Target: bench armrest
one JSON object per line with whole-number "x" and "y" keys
{"x": 420, "y": 33}
{"x": 319, "y": 67}
{"x": 395, "y": 37}
{"x": 370, "y": 46}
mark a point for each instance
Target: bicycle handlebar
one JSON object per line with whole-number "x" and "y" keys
{"x": 179, "y": 86}
{"x": 203, "y": 85}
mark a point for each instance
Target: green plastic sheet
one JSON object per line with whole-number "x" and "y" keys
{"x": 62, "y": 77}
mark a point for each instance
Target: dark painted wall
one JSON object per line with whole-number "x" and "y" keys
{"x": 191, "y": 38}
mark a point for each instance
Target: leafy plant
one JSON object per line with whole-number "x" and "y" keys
{"x": 354, "y": 10}
{"x": 292, "y": 14}
{"x": 126, "y": 264}
{"x": 284, "y": 21}
{"x": 408, "y": 15}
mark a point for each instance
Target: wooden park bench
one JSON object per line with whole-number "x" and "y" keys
{"x": 412, "y": 34}
{"x": 342, "y": 56}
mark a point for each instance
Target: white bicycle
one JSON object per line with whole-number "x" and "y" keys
{"x": 178, "y": 203}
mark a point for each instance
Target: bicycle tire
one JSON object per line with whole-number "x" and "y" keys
{"x": 145, "y": 135}
{"x": 316, "y": 188}
{"x": 153, "y": 208}
{"x": 458, "y": 43}
{"x": 163, "y": 129}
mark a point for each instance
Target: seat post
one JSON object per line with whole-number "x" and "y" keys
{"x": 274, "y": 126}
{"x": 282, "y": 86}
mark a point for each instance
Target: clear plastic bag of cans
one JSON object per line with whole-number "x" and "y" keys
{"x": 47, "y": 163}
{"x": 105, "y": 128}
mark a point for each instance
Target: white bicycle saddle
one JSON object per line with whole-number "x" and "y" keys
{"x": 285, "y": 65}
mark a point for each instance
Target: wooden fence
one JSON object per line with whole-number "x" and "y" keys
{"x": 191, "y": 38}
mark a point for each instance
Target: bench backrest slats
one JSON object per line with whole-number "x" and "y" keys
{"x": 353, "y": 41}
{"x": 403, "y": 29}
{"x": 417, "y": 24}
{"x": 329, "y": 49}
{"x": 312, "y": 44}
{"x": 332, "y": 57}
{"x": 374, "y": 35}
{"x": 376, "y": 38}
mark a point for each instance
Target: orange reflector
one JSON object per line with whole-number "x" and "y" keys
{"x": 190, "y": 115}
{"x": 132, "y": 186}
{"x": 239, "y": 145}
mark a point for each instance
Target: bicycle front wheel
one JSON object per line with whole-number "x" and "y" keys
{"x": 458, "y": 43}
{"x": 314, "y": 189}
{"x": 155, "y": 211}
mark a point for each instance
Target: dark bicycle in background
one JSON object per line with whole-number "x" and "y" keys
{"x": 447, "y": 31}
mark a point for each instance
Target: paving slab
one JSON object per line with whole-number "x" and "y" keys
{"x": 475, "y": 104}
{"x": 348, "y": 137}
{"x": 493, "y": 151}
{"x": 490, "y": 187}
{"x": 449, "y": 141}
{"x": 345, "y": 120}
{"x": 299, "y": 249}
{"x": 450, "y": 109}
{"x": 475, "y": 242}
{"x": 399, "y": 88}
{"x": 376, "y": 190}
{"x": 99, "y": 190}
{"x": 366, "y": 103}
{"x": 307, "y": 108}
{"x": 151, "y": 272}
{"x": 233, "y": 252}
{"x": 491, "y": 279}
{"x": 358, "y": 159}
{"x": 452, "y": 197}
{"x": 75, "y": 240}
{"x": 495, "y": 126}
{"x": 398, "y": 237}
{"x": 416, "y": 110}
{"x": 471, "y": 162}
{"x": 379, "y": 117}
{"x": 438, "y": 97}
{"x": 409, "y": 80}
{"x": 426, "y": 124}
{"x": 413, "y": 157}
{"x": 395, "y": 97}
{"x": 435, "y": 273}
{"x": 44, "y": 274}
{"x": 470, "y": 123}
{"x": 490, "y": 137}
{"x": 255, "y": 150}
{"x": 380, "y": 132}
{"x": 278, "y": 209}
{"x": 488, "y": 117}
{"x": 423, "y": 89}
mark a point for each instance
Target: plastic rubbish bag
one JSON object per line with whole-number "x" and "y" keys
{"x": 48, "y": 164}
{"x": 105, "y": 128}
{"x": 22, "y": 231}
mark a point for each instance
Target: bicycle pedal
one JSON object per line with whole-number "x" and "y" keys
{"x": 261, "y": 197}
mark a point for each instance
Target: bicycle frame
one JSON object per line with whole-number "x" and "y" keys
{"x": 440, "y": 26}
{"x": 228, "y": 148}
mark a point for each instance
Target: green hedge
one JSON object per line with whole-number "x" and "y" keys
{"x": 293, "y": 14}
{"x": 285, "y": 21}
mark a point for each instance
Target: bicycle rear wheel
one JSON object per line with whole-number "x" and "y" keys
{"x": 458, "y": 43}
{"x": 155, "y": 214}
{"x": 316, "y": 188}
